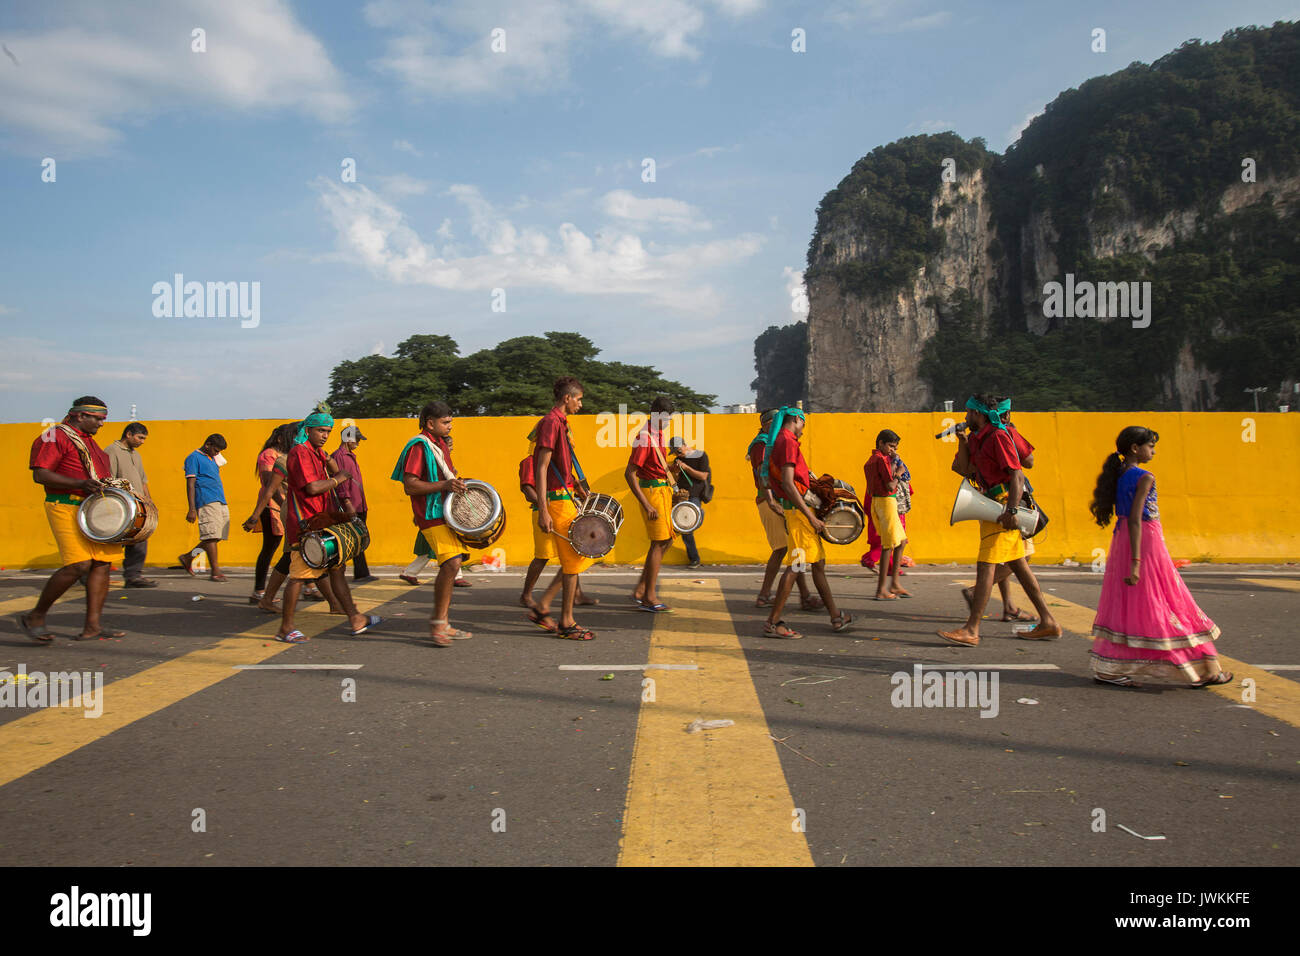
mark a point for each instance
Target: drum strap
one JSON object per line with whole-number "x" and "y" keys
{"x": 88, "y": 463}
{"x": 663, "y": 462}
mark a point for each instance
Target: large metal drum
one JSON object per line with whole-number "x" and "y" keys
{"x": 475, "y": 514}
{"x": 593, "y": 531}
{"x": 117, "y": 516}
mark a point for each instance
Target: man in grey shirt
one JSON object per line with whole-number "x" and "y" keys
{"x": 124, "y": 456}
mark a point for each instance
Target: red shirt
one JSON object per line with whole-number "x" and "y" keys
{"x": 353, "y": 491}
{"x": 552, "y": 434}
{"x": 1023, "y": 448}
{"x": 416, "y": 465}
{"x": 880, "y": 473}
{"x": 526, "y": 478}
{"x": 644, "y": 457}
{"x": 60, "y": 455}
{"x": 306, "y": 464}
{"x": 993, "y": 456}
{"x": 785, "y": 451}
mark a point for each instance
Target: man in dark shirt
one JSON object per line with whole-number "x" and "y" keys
{"x": 989, "y": 458}
{"x": 353, "y": 492}
{"x": 694, "y": 465}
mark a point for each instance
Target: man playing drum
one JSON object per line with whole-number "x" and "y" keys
{"x": 788, "y": 477}
{"x": 56, "y": 463}
{"x": 310, "y": 495}
{"x": 425, "y": 470}
{"x": 647, "y": 475}
{"x": 772, "y": 518}
{"x": 989, "y": 457}
{"x": 553, "y": 480}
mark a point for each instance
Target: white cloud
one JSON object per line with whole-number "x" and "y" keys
{"x": 931, "y": 126}
{"x": 373, "y": 233}
{"x": 1013, "y": 134}
{"x": 6, "y": 310}
{"x": 621, "y": 204}
{"x": 399, "y": 185}
{"x": 795, "y": 290}
{"x": 444, "y": 49}
{"x": 406, "y": 147}
{"x": 101, "y": 66}
{"x": 889, "y": 16}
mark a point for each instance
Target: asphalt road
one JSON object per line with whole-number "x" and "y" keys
{"x": 489, "y": 753}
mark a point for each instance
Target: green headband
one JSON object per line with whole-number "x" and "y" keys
{"x": 314, "y": 420}
{"x": 778, "y": 422}
{"x": 994, "y": 415}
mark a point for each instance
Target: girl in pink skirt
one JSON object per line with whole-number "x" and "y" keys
{"x": 1147, "y": 625}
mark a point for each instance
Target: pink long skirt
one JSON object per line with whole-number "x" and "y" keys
{"x": 1153, "y": 630}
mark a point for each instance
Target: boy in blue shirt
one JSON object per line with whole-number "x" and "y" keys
{"x": 207, "y": 500}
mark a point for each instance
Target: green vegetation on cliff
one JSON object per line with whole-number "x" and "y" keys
{"x": 1132, "y": 146}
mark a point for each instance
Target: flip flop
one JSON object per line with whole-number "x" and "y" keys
{"x": 780, "y": 630}
{"x": 293, "y": 637}
{"x": 1116, "y": 681}
{"x": 371, "y": 621}
{"x": 43, "y": 638}
{"x": 652, "y": 608}
{"x": 409, "y": 580}
{"x": 187, "y": 566}
{"x": 845, "y": 619}
{"x": 542, "y": 620}
{"x": 575, "y": 632}
{"x": 1223, "y": 677}
{"x": 762, "y": 601}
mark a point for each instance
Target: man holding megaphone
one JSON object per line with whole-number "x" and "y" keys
{"x": 988, "y": 456}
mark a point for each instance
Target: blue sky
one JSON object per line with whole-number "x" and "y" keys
{"x": 475, "y": 170}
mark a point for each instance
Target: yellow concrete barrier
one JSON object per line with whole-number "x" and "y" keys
{"x": 1225, "y": 482}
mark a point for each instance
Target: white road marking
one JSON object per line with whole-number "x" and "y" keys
{"x": 297, "y": 667}
{"x": 629, "y": 667}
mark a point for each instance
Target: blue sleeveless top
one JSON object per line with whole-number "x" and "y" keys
{"x": 1127, "y": 487}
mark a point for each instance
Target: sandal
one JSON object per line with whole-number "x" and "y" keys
{"x": 842, "y": 622}
{"x": 371, "y": 621}
{"x": 37, "y": 635}
{"x": 1116, "y": 681}
{"x": 542, "y": 620}
{"x": 651, "y": 608}
{"x": 1020, "y": 615}
{"x": 293, "y": 637}
{"x": 1223, "y": 677}
{"x": 812, "y": 604}
{"x": 763, "y": 600}
{"x": 780, "y": 630}
{"x": 575, "y": 632}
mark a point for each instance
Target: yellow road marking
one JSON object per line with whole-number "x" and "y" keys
{"x": 40, "y": 738}
{"x": 1276, "y": 696}
{"x": 716, "y": 798}
{"x": 1283, "y": 584}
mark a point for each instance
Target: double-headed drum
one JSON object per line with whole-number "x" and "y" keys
{"x": 476, "y": 514}
{"x": 593, "y": 531}
{"x": 336, "y": 545}
{"x": 117, "y": 516}
{"x": 687, "y": 516}
{"x": 844, "y": 522}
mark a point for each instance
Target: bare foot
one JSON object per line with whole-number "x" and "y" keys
{"x": 95, "y": 635}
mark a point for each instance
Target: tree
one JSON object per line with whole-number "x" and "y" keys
{"x": 515, "y": 377}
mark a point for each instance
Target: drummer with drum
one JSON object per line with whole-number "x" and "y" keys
{"x": 313, "y": 507}
{"x": 425, "y": 470}
{"x": 577, "y": 544}
{"x": 690, "y": 466}
{"x": 647, "y": 475}
{"x": 68, "y": 463}
{"x": 789, "y": 481}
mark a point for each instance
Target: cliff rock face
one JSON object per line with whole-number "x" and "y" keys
{"x": 863, "y": 350}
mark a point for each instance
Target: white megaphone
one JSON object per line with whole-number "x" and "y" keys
{"x": 971, "y": 505}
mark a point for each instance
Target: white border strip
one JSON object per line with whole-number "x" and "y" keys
{"x": 629, "y": 667}
{"x": 297, "y": 667}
